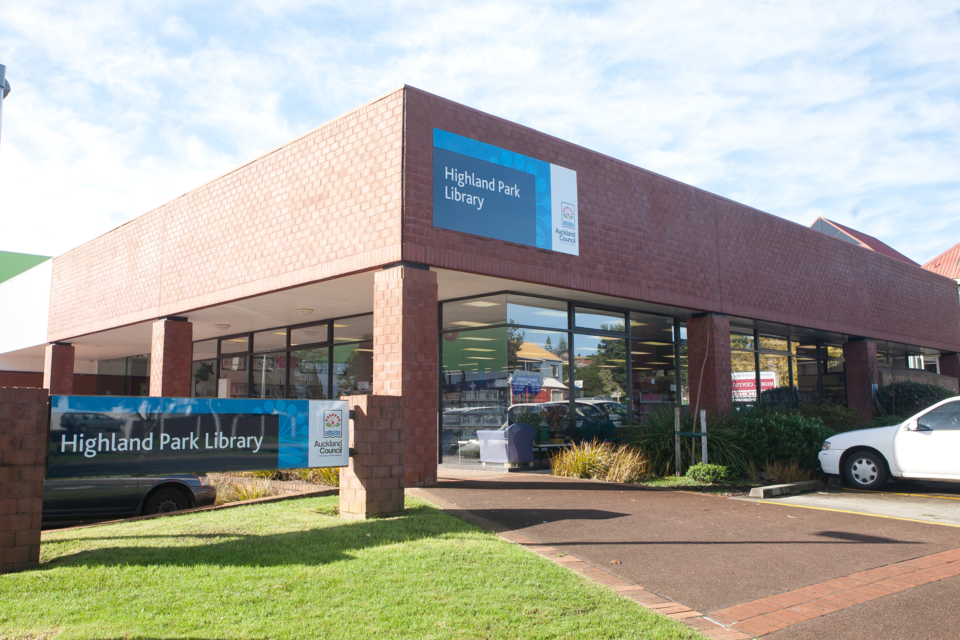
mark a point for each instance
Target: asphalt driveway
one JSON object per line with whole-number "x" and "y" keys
{"x": 706, "y": 552}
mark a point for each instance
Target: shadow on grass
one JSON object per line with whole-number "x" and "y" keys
{"x": 337, "y": 541}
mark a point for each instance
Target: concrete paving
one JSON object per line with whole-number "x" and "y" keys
{"x": 937, "y": 503}
{"x": 706, "y": 552}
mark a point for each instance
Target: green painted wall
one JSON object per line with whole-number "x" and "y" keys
{"x": 13, "y": 264}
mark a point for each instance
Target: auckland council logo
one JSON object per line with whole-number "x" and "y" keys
{"x": 568, "y": 215}
{"x": 332, "y": 423}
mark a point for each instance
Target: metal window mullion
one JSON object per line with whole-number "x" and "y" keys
{"x": 330, "y": 361}
{"x": 572, "y": 410}
{"x": 756, "y": 361}
{"x": 440, "y": 383}
{"x": 629, "y": 363}
{"x": 678, "y": 391}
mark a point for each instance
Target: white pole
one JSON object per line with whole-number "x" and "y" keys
{"x": 703, "y": 438}
{"x": 676, "y": 428}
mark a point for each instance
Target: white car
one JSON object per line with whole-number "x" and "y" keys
{"x": 926, "y": 446}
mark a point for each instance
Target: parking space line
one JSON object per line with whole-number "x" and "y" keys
{"x": 894, "y": 493}
{"x": 856, "y": 513}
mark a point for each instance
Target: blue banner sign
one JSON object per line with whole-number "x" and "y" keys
{"x": 526, "y": 383}
{"x": 492, "y": 192}
{"x": 93, "y": 436}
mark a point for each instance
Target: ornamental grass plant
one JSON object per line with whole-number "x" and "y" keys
{"x": 601, "y": 461}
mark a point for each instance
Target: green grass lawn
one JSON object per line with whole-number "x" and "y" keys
{"x": 295, "y": 570}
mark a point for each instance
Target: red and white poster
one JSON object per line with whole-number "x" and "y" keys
{"x": 745, "y": 384}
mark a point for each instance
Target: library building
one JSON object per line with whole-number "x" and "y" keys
{"x": 479, "y": 270}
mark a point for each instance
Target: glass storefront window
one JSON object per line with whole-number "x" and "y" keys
{"x": 353, "y": 329}
{"x": 313, "y": 334}
{"x": 235, "y": 371}
{"x": 504, "y": 309}
{"x": 272, "y": 340}
{"x": 308, "y": 373}
{"x": 598, "y": 319}
{"x": 743, "y": 370}
{"x": 742, "y": 341}
{"x": 775, "y": 378}
{"x": 205, "y": 350}
{"x": 204, "y": 373}
{"x": 600, "y": 370}
{"x": 352, "y": 369}
{"x": 239, "y": 344}
{"x": 269, "y": 375}
{"x": 124, "y": 376}
{"x": 772, "y": 343}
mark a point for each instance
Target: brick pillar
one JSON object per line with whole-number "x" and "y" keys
{"x": 23, "y": 456}
{"x": 950, "y": 365}
{"x": 372, "y": 485}
{"x": 170, "y": 358}
{"x": 405, "y": 360}
{"x": 860, "y": 369}
{"x": 58, "y": 368}
{"x": 708, "y": 338}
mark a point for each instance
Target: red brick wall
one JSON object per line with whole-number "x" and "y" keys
{"x": 323, "y": 205}
{"x": 405, "y": 360}
{"x": 950, "y": 365}
{"x": 860, "y": 366}
{"x": 708, "y": 338}
{"x": 21, "y": 379}
{"x": 647, "y": 237}
{"x": 170, "y": 359}
{"x": 58, "y": 365}
{"x": 372, "y": 484}
{"x": 23, "y": 455}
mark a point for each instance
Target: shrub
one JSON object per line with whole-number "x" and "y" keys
{"x": 884, "y": 421}
{"x": 835, "y": 417}
{"x": 907, "y": 398}
{"x": 779, "y": 436}
{"x": 708, "y": 473}
{"x": 600, "y": 461}
{"x": 656, "y": 440}
{"x": 230, "y": 490}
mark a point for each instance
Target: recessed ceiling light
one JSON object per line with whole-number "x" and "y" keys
{"x": 634, "y": 323}
{"x": 304, "y": 312}
{"x": 476, "y": 349}
{"x": 551, "y": 313}
{"x": 481, "y": 303}
{"x": 237, "y": 340}
{"x": 358, "y": 349}
{"x": 278, "y": 333}
{"x": 479, "y": 358}
{"x": 470, "y": 323}
{"x": 658, "y": 363}
{"x": 475, "y": 338}
{"x": 340, "y": 326}
{"x": 346, "y": 339}
{"x": 222, "y": 327}
{"x": 662, "y": 344}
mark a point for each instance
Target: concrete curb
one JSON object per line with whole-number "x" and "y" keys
{"x": 786, "y": 489}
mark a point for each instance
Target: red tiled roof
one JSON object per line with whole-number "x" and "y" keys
{"x": 871, "y": 243}
{"x": 947, "y": 263}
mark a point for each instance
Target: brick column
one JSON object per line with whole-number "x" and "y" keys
{"x": 405, "y": 360}
{"x": 860, "y": 369}
{"x": 23, "y": 456}
{"x": 58, "y": 368}
{"x": 372, "y": 485}
{"x": 170, "y": 358}
{"x": 950, "y": 365}
{"x": 708, "y": 339}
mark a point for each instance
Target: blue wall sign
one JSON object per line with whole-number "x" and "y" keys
{"x": 94, "y": 436}
{"x": 488, "y": 191}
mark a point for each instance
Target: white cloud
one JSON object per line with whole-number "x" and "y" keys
{"x": 847, "y": 110}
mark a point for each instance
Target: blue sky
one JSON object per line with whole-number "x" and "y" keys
{"x": 849, "y": 110}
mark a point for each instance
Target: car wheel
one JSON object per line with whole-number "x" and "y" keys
{"x": 866, "y": 470}
{"x": 165, "y": 501}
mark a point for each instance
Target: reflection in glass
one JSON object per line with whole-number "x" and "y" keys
{"x": 597, "y": 319}
{"x": 240, "y": 344}
{"x": 269, "y": 376}
{"x": 204, "y": 375}
{"x": 503, "y": 309}
{"x": 313, "y": 334}
{"x": 741, "y": 341}
{"x": 353, "y": 329}
{"x": 775, "y": 378}
{"x": 235, "y": 370}
{"x": 308, "y": 373}
{"x": 270, "y": 340}
{"x": 352, "y": 369}
{"x": 773, "y": 343}
{"x": 205, "y": 350}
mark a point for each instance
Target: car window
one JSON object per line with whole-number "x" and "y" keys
{"x": 942, "y": 418}
{"x": 613, "y": 407}
{"x": 590, "y": 412}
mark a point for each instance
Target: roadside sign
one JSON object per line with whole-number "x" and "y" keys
{"x": 93, "y": 436}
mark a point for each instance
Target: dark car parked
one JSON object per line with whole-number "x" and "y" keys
{"x": 77, "y": 500}
{"x": 94, "y": 422}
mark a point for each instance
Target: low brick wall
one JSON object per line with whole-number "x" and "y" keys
{"x": 24, "y": 424}
{"x": 889, "y": 375}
